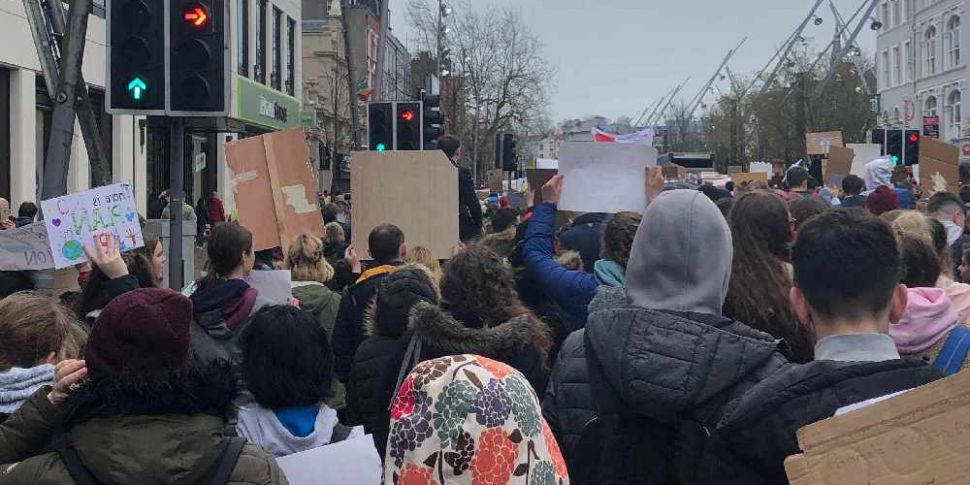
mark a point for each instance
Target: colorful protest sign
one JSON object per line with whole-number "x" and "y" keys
{"x": 274, "y": 189}
{"x": 25, "y": 248}
{"x": 604, "y": 177}
{"x": 75, "y": 219}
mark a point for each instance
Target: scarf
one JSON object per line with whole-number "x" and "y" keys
{"x": 609, "y": 273}
{"x": 953, "y": 232}
{"x": 17, "y": 384}
{"x": 234, "y": 298}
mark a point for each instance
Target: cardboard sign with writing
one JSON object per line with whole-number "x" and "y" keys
{"x": 939, "y": 169}
{"x": 25, "y": 248}
{"x": 272, "y": 180}
{"x": 919, "y": 436}
{"x": 750, "y": 178}
{"x": 495, "y": 179}
{"x": 821, "y": 142}
{"x": 537, "y": 178}
{"x": 839, "y": 165}
{"x": 73, "y": 220}
{"x": 416, "y": 191}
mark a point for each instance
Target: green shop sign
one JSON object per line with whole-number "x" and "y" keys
{"x": 263, "y": 106}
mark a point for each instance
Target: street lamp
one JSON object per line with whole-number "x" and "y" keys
{"x": 875, "y": 25}
{"x": 818, "y": 20}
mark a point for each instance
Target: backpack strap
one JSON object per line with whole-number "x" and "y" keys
{"x": 954, "y": 353}
{"x": 340, "y": 433}
{"x": 79, "y": 473}
{"x": 220, "y": 472}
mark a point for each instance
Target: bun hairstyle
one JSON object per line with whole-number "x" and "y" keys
{"x": 304, "y": 258}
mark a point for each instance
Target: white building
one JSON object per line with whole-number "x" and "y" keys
{"x": 266, "y": 72}
{"x": 919, "y": 66}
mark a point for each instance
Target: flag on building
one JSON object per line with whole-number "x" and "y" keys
{"x": 644, "y": 137}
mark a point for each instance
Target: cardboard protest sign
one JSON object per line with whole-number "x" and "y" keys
{"x": 74, "y": 219}
{"x": 274, "y": 287}
{"x": 25, "y": 248}
{"x": 416, "y": 191}
{"x": 495, "y": 179}
{"x": 358, "y": 459}
{"x": 674, "y": 172}
{"x": 939, "y": 169}
{"x": 274, "y": 189}
{"x": 915, "y": 437}
{"x": 839, "y": 165}
{"x": 604, "y": 177}
{"x": 538, "y": 177}
{"x": 750, "y": 178}
{"x": 864, "y": 153}
{"x": 819, "y": 143}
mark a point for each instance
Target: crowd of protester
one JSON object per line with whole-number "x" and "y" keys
{"x": 684, "y": 345}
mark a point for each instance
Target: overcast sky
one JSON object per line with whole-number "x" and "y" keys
{"x": 613, "y": 57}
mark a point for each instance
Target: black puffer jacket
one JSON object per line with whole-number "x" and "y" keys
{"x": 670, "y": 374}
{"x": 348, "y": 329}
{"x": 759, "y": 434}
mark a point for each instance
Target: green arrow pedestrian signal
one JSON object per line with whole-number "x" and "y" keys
{"x": 137, "y": 88}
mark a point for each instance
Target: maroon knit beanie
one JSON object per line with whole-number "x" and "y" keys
{"x": 882, "y": 200}
{"x": 142, "y": 331}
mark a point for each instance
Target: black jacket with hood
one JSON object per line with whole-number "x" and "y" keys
{"x": 657, "y": 358}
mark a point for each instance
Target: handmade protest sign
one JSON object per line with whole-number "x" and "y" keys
{"x": 939, "y": 169}
{"x": 74, "y": 219}
{"x": 359, "y": 464}
{"x": 495, "y": 179}
{"x": 274, "y": 189}
{"x": 538, "y": 177}
{"x": 273, "y": 287}
{"x": 749, "y": 177}
{"x": 820, "y": 143}
{"x": 604, "y": 177}
{"x": 25, "y": 248}
{"x": 838, "y": 166}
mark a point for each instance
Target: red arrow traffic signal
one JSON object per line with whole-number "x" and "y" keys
{"x": 195, "y": 15}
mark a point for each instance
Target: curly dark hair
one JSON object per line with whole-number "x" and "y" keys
{"x": 760, "y": 280}
{"x": 618, "y": 237}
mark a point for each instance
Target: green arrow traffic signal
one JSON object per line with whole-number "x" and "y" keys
{"x": 137, "y": 88}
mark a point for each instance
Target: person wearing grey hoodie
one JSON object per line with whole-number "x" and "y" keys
{"x": 633, "y": 396}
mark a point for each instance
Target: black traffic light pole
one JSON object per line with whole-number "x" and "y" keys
{"x": 176, "y": 201}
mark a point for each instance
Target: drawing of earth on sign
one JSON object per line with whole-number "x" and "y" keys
{"x": 72, "y": 250}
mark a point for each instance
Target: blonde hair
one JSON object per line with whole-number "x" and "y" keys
{"x": 335, "y": 233}
{"x": 304, "y": 258}
{"x": 31, "y": 328}
{"x": 423, "y": 256}
{"x": 915, "y": 224}
{"x": 74, "y": 342}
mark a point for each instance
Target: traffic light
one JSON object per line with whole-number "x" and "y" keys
{"x": 911, "y": 150}
{"x": 408, "y": 125}
{"x": 879, "y": 138}
{"x": 380, "y": 126}
{"x": 431, "y": 120}
{"x": 136, "y": 57}
{"x": 510, "y": 161}
{"x": 894, "y": 146}
{"x": 499, "y": 145}
{"x": 198, "y": 62}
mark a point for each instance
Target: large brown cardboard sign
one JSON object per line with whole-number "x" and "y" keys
{"x": 939, "y": 169}
{"x": 839, "y": 165}
{"x": 820, "y": 143}
{"x": 919, "y": 437}
{"x": 674, "y": 172}
{"x": 274, "y": 189}
{"x": 742, "y": 177}
{"x": 538, "y": 177}
{"x": 416, "y": 191}
{"x": 495, "y": 179}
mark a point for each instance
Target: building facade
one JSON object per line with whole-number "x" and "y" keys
{"x": 920, "y": 70}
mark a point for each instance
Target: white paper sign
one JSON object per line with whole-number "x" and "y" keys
{"x": 25, "y": 248}
{"x": 273, "y": 286}
{"x": 547, "y": 163}
{"x": 74, "y": 219}
{"x": 349, "y": 462}
{"x": 604, "y": 177}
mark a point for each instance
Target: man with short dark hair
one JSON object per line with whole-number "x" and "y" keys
{"x": 950, "y": 211}
{"x": 852, "y": 187}
{"x": 855, "y": 359}
{"x": 469, "y": 209}
{"x": 386, "y": 246}
{"x": 26, "y": 213}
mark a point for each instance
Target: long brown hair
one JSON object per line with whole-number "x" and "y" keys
{"x": 760, "y": 280}
{"x": 304, "y": 258}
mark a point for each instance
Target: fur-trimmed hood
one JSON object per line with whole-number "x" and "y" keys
{"x": 446, "y": 332}
{"x": 502, "y": 243}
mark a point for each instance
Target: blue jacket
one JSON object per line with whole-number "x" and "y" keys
{"x": 572, "y": 290}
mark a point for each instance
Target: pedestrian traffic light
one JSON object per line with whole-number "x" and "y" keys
{"x": 510, "y": 161}
{"x": 894, "y": 146}
{"x": 431, "y": 119}
{"x": 380, "y": 126}
{"x": 135, "y": 57}
{"x": 198, "y": 62}
{"x": 408, "y": 123}
{"x": 911, "y": 150}
{"x": 879, "y": 138}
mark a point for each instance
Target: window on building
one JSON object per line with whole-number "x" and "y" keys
{"x": 290, "y": 56}
{"x": 908, "y": 61}
{"x": 897, "y": 67}
{"x": 242, "y": 38}
{"x": 896, "y": 117}
{"x": 5, "y": 134}
{"x": 884, "y": 68}
{"x": 930, "y": 108}
{"x": 953, "y": 114}
{"x": 261, "y": 42}
{"x": 930, "y": 52}
{"x": 275, "y": 77}
{"x": 951, "y": 42}
{"x": 897, "y": 9}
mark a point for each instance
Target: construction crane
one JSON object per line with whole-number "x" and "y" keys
{"x": 656, "y": 117}
{"x": 855, "y": 33}
{"x": 782, "y": 54}
{"x": 699, "y": 98}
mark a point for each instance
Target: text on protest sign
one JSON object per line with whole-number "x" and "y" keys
{"x": 75, "y": 219}
{"x": 604, "y": 177}
{"x": 25, "y": 248}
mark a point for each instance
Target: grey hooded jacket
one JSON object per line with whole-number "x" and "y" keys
{"x": 659, "y": 351}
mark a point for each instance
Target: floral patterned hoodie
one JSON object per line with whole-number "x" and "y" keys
{"x": 469, "y": 420}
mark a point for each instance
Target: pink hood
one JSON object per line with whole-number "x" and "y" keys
{"x": 929, "y": 317}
